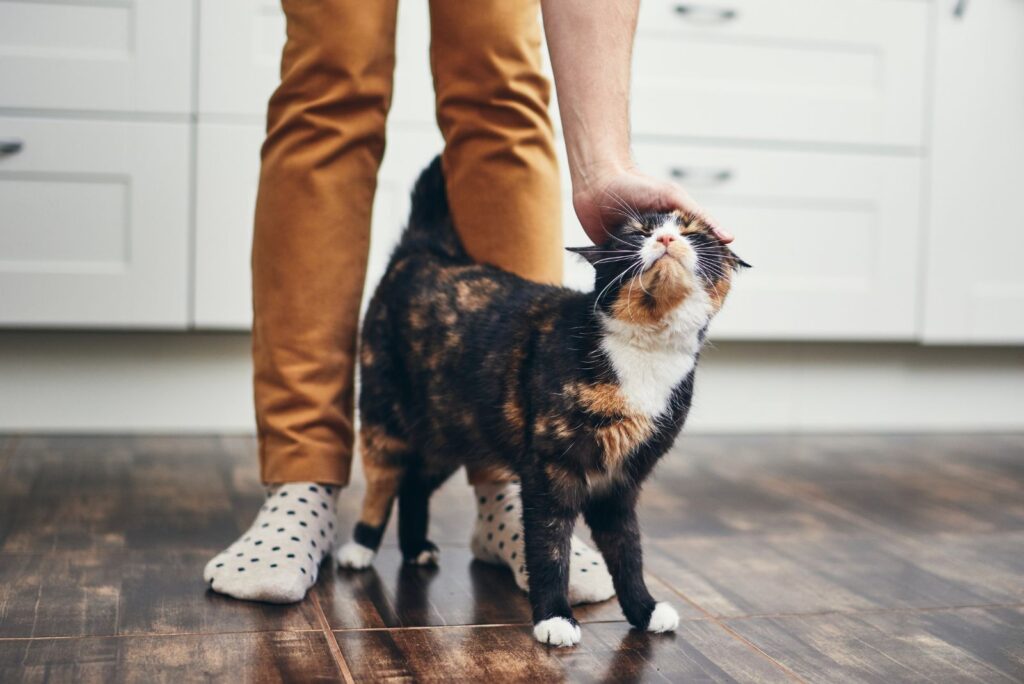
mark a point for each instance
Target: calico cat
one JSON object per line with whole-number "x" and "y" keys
{"x": 578, "y": 394}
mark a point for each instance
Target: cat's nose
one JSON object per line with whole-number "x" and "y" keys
{"x": 665, "y": 239}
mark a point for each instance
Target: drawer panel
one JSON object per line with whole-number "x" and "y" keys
{"x": 110, "y": 55}
{"x": 837, "y": 71}
{"x": 833, "y": 238}
{"x": 227, "y": 178}
{"x": 95, "y": 224}
{"x": 240, "y": 55}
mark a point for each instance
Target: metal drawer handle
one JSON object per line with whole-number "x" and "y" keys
{"x": 703, "y": 14}
{"x": 700, "y": 176}
{"x": 9, "y": 146}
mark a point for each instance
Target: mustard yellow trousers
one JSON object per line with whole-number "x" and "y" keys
{"x": 325, "y": 139}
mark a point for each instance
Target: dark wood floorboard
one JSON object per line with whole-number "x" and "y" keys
{"x": 462, "y": 591}
{"x": 247, "y": 657}
{"x": 966, "y": 645}
{"x": 609, "y": 652}
{"x": 812, "y": 558}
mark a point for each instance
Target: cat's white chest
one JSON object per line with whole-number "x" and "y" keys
{"x": 651, "y": 362}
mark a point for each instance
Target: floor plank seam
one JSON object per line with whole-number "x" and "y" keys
{"x": 493, "y": 625}
{"x": 332, "y": 642}
{"x": 733, "y": 633}
{"x": 867, "y": 611}
{"x": 161, "y": 635}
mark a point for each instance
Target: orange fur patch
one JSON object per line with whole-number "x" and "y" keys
{"x": 383, "y": 474}
{"x": 651, "y": 296}
{"x": 622, "y": 437}
{"x": 474, "y": 295}
{"x": 366, "y": 355}
{"x": 626, "y": 430}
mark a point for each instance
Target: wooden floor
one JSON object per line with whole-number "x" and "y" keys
{"x": 816, "y": 559}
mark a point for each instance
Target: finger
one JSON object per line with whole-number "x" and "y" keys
{"x": 725, "y": 236}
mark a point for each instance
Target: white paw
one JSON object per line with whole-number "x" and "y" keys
{"x": 427, "y": 557}
{"x": 355, "y": 556}
{"x": 664, "y": 618}
{"x": 557, "y": 631}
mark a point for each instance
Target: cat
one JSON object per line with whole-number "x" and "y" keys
{"x": 577, "y": 394}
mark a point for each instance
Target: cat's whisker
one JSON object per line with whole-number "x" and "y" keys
{"x": 613, "y": 259}
{"x": 616, "y": 238}
{"x": 597, "y": 300}
{"x": 632, "y": 211}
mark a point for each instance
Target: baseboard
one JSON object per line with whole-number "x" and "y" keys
{"x": 200, "y": 383}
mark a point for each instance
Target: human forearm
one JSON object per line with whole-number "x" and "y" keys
{"x": 591, "y": 44}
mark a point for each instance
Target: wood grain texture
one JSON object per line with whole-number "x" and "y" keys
{"x": 812, "y": 558}
{"x": 253, "y": 657}
{"x": 462, "y": 591}
{"x": 967, "y": 645}
{"x": 772, "y": 575}
{"x": 609, "y": 652}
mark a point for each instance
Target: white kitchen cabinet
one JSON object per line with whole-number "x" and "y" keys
{"x": 822, "y": 71}
{"x": 227, "y": 178}
{"x": 105, "y": 55}
{"x": 94, "y": 225}
{"x": 833, "y": 238}
{"x": 240, "y": 54}
{"x": 975, "y": 284}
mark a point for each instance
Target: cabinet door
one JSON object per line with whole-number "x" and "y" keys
{"x": 833, "y": 238}
{"x": 111, "y": 55}
{"x": 240, "y": 54}
{"x": 227, "y": 176}
{"x": 94, "y": 227}
{"x": 839, "y": 71}
{"x": 975, "y": 284}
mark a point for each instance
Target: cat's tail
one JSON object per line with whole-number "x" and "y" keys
{"x": 430, "y": 222}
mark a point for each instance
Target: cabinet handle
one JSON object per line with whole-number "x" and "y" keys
{"x": 701, "y": 177}
{"x": 10, "y": 147}
{"x": 959, "y": 8}
{"x": 703, "y": 14}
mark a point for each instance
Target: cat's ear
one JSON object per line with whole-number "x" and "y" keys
{"x": 591, "y": 253}
{"x": 737, "y": 260}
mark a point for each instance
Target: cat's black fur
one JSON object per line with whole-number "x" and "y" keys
{"x": 463, "y": 363}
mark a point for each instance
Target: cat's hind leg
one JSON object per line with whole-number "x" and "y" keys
{"x": 419, "y": 483}
{"x": 386, "y": 459}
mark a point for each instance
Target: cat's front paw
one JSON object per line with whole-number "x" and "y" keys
{"x": 355, "y": 556}
{"x": 428, "y": 555}
{"x": 664, "y": 618}
{"x": 557, "y": 631}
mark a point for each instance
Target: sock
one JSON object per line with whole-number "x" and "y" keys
{"x": 498, "y": 539}
{"x": 278, "y": 557}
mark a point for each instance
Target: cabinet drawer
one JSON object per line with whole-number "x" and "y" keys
{"x": 227, "y": 177}
{"x": 240, "y": 56}
{"x": 833, "y": 239}
{"x": 112, "y": 55}
{"x": 840, "y": 71}
{"x": 95, "y": 224}
{"x": 974, "y": 290}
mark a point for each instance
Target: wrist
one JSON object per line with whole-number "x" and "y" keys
{"x": 592, "y": 174}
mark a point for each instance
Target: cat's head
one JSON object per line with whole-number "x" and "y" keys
{"x": 654, "y": 263}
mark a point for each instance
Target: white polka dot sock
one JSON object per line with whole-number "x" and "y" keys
{"x": 277, "y": 558}
{"x": 498, "y": 539}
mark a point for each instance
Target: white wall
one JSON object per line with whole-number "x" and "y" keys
{"x": 136, "y": 382}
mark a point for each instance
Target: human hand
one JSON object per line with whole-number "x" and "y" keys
{"x": 605, "y": 198}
